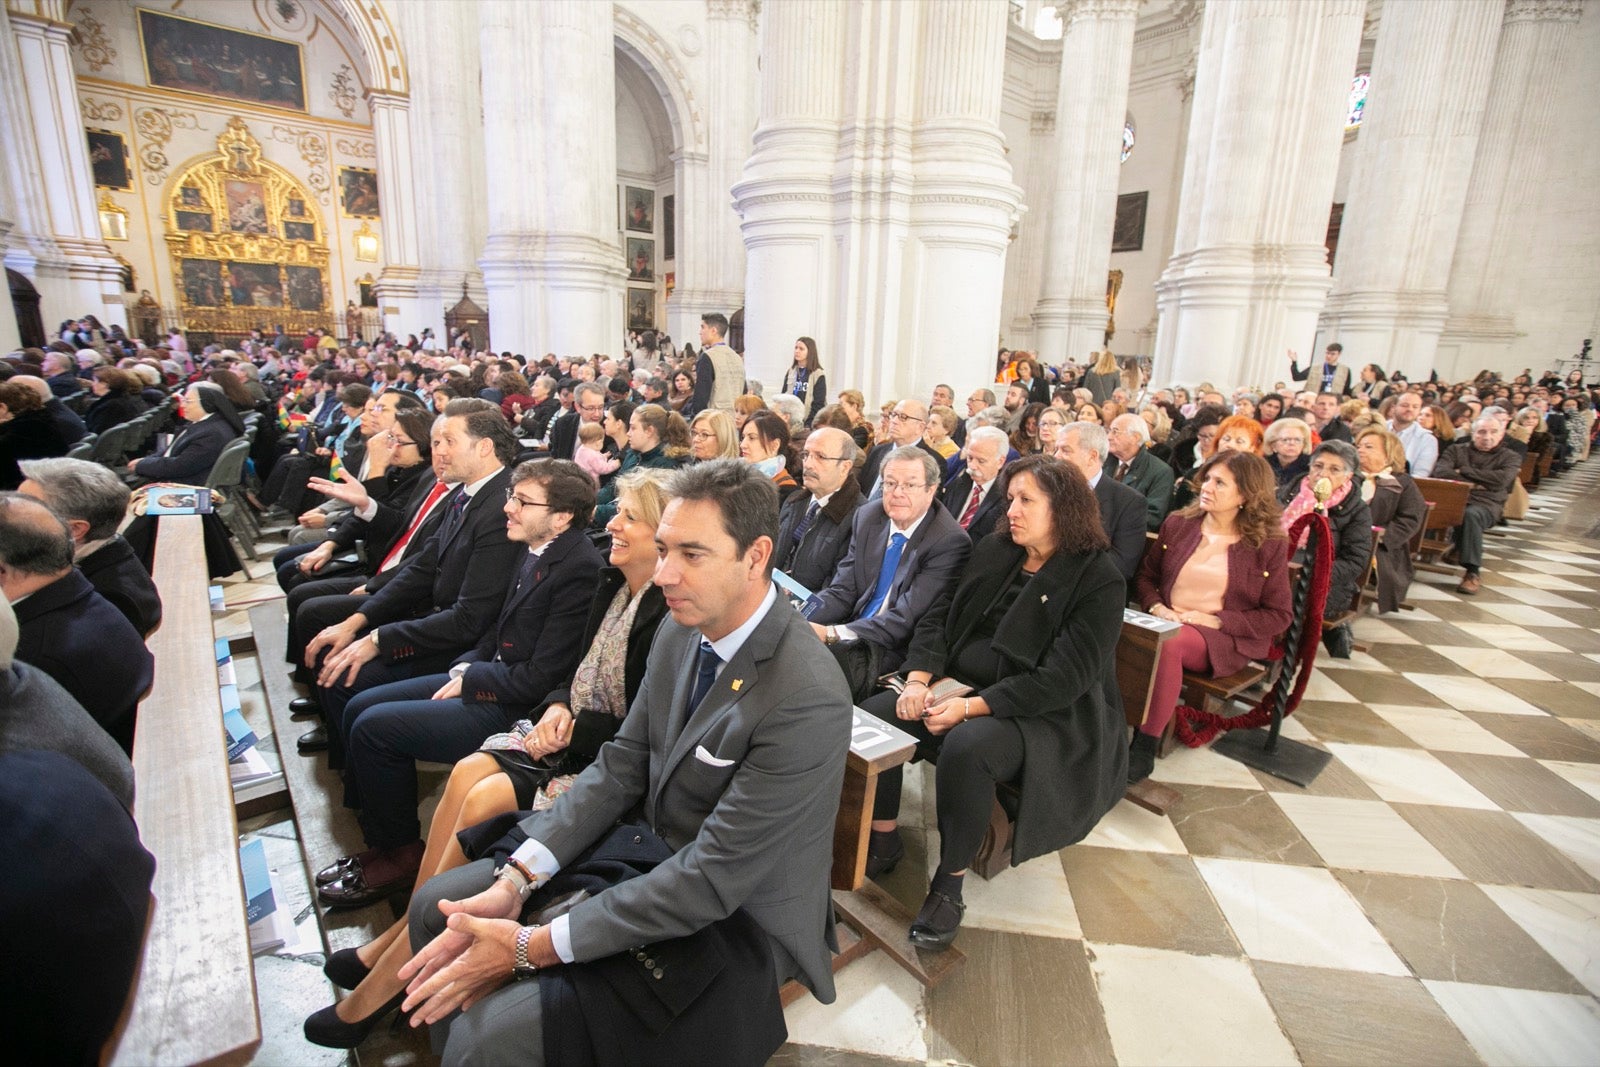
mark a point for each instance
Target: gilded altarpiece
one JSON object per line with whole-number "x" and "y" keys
{"x": 247, "y": 246}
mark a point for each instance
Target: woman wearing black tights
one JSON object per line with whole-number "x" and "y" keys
{"x": 1032, "y": 629}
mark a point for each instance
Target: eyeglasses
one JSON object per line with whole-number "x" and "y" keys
{"x": 512, "y": 497}
{"x": 702, "y": 435}
{"x": 398, "y": 441}
{"x": 1328, "y": 469}
{"x": 901, "y": 487}
{"x": 900, "y": 416}
{"x": 808, "y": 454}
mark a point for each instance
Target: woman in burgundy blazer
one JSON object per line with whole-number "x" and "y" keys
{"x": 1225, "y": 561}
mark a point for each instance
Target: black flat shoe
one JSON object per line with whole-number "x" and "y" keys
{"x": 878, "y": 866}
{"x": 345, "y": 969}
{"x": 305, "y": 708}
{"x": 937, "y": 924}
{"x": 325, "y": 1028}
{"x": 313, "y": 741}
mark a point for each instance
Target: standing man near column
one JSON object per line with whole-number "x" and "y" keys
{"x": 1329, "y": 376}
{"x": 734, "y": 749}
{"x": 1422, "y": 447}
{"x": 719, "y": 370}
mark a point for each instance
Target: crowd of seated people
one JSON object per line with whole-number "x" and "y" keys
{"x": 553, "y": 574}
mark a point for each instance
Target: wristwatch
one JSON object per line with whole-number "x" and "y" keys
{"x": 520, "y": 965}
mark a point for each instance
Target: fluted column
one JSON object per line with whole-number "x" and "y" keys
{"x": 1430, "y": 81}
{"x": 1491, "y": 249}
{"x": 783, "y": 197}
{"x": 1249, "y": 272}
{"x": 551, "y": 264}
{"x": 710, "y": 254}
{"x": 397, "y": 194}
{"x": 69, "y": 220}
{"x": 1096, "y": 59}
{"x": 964, "y": 201}
{"x": 447, "y": 178}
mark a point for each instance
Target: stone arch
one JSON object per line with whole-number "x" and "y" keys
{"x": 645, "y": 48}
{"x": 369, "y": 22}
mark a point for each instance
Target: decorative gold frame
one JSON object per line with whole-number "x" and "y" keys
{"x": 113, "y": 219}
{"x": 144, "y": 64}
{"x": 238, "y": 158}
{"x": 338, "y": 190}
{"x": 366, "y": 242}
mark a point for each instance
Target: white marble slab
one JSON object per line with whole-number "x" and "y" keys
{"x": 1364, "y": 835}
{"x": 1031, "y": 899}
{"x": 1472, "y": 694}
{"x": 1578, "y": 838}
{"x": 1493, "y": 663}
{"x": 1131, "y": 827}
{"x": 1510, "y": 638}
{"x": 1201, "y": 766}
{"x": 1566, "y": 925}
{"x": 1443, "y": 729}
{"x": 1410, "y": 776}
{"x": 879, "y": 1012}
{"x": 1516, "y": 1027}
{"x": 1586, "y": 776}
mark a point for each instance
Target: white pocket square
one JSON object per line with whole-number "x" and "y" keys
{"x": 707, "y": 758}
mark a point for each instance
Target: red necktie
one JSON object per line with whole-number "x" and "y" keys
{"x": 393, "y": 557}
{"x": 972, "y": 506}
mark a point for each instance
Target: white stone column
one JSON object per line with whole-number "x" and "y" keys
{"x": 551, "y": 264}
{"x": 446, "y": 161}
{"x": 53, "y": 137}
{"x": 1096, "y": 59}
{"x": 710, "y": 253}
{"x": 1491, "y": 247}
{"x": 1249, "y": 271}
{"x": 964, "y": 203}
{"x": 397, "y": 281}
{"x": 1430, "y": 81}
{"x": 784, "y": 197}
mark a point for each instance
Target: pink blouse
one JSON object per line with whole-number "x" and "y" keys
{"x": 1203, "y": 580}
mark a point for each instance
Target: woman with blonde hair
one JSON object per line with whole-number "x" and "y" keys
{"x": 854, "y": 405}
{"x": 941, "y": 424}
{"x": 1103, "y": 379}
{"x": 712, "y": 435}
{"x": 1396, "y": 505}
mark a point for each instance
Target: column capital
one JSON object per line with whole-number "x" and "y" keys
{"x": 1076, "y": 10}
{"x": 387, "y": 98}
{"x": 1543, "y": 10}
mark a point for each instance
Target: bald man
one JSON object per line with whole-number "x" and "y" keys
{"x": 814, "y": 526}
{"x": 907, "y": 422}
{"x": 65, "y": 628}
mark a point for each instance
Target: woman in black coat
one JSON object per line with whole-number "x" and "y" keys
{"x": 1350, "y": 522}
{"x": 1031, "y": 635}
{"x": 26, "y": 431}
{"x": 1396, "y": 505}
{"x": 118, "y": 399}
{"x": 481, "y": 802}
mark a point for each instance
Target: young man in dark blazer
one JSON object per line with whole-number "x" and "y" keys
{"x": 734, "y": 749}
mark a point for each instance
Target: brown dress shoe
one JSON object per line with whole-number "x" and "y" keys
{"x": 1470, "y": 584}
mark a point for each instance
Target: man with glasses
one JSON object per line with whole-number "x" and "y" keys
{"x": 814, "y": 527}
{"x": 980, "y": 400}
{"x": 1131, "y": 463}
{"x": 905, "y": 554}
{"x": 907, "y": 422}
{"x": 588, "y": 405}
{"x": 533, "y": 647}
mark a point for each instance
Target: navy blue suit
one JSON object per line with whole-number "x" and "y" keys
{"x": 1123, "y": 512}
{"x": 77, "y": 637}
{"x": 533, "y": 648}
{"x": 958, "y": 490}
{"x": 116, "y": 574}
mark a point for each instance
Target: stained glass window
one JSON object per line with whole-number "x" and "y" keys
{"x": 1127, "y": 140}
{"x": 1358, "y": 100}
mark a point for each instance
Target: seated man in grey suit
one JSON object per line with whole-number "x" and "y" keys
{"x": 905, "y": 554}
{"x": 734, "y": 750}
{"x": 1122, "y": 508}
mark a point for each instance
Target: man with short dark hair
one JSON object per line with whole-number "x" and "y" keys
{"x": 93, "y": 502}
{"x": 718, "y": 370}
{"x": 1421, "y": 446}
{"x": 1326, "y": 420}
{"x": 734, "y": 752}
{"x": 68, "y": 630}
{"x": 588, "y": 405}
{"x": 1328, "y": 376}
{"x": 533, "y": 647}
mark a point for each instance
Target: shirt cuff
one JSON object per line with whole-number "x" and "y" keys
{"x": 367, "y": 510}
{"x": 561, "y": 938}
{"x": 844, "y": 633}
{"x": 456, "y": 671}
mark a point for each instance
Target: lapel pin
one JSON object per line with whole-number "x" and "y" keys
{"x": 737, "y": 682}
{"x": 1043, "y": 599}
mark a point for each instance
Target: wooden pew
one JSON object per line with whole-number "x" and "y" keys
{"x": 1449, "y": 500}
{"x": 194, "y": 997}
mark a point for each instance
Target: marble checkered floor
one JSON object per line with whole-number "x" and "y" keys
{"x": 1433, "y": 898}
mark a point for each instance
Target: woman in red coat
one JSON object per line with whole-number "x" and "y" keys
{"x": 1221, "y": 568}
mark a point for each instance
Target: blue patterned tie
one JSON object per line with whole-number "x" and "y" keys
{"x": 707, "y": 673}
{"x": 452, "y": 518}
{"x": 891, "y": 561}
{"x": 805, "y": 522}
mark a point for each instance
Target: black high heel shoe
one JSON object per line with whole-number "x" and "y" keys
{"x": 325, "y": 1028}
{"x": 345, "y": 969}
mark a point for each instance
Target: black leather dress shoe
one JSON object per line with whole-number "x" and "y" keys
{"x": 345, "y": 969}
{"x": 338, "y": 869}
{"x": 937, "y": 924}
{"x": 353, "y": 890}
{"x": 313, "y": 741}
{"x": 305, "y": 708}
{"x": 325, "y": 1028}
{"x": 878, "y": 866}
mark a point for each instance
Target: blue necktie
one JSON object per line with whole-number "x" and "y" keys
{"x": 891, "y": 561}
{"x": 805, "y": 522}
{"x": 707, "y": 673}
{"x": 452, "y": 518}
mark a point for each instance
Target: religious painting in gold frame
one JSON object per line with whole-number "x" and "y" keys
{"x": 219, "y": 61}
{"x": 358, "y": 192}
{"x": 243, "y": 237}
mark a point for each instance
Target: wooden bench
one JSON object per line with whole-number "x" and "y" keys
{"x": 1449, "y": 500}
{"x": 194, "y": 996}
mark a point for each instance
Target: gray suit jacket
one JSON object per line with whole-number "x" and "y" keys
{"x": 929, "y": 566}
{"x": 752, "y": 825}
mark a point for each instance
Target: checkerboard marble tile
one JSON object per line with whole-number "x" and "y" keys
{"x": 1434, "y": 897}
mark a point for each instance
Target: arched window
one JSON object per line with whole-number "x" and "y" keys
{"x": 1127, "y": 139}
{"x": 1358, "y": 100}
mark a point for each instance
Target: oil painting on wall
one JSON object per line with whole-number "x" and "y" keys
{"x": 197, "y": 57}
